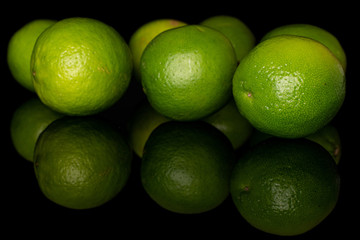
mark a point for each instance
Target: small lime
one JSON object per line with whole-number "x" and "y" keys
{"x": 313, "y": 32}
{"x": 144, "y": 34}
{"x": 230, "y": 122}
{"x": 28, "y": 122}
{"x": 240, "y": 36}
{"x": 20, "y": 49}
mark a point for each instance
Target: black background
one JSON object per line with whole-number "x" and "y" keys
{"x": 132, "y": 213}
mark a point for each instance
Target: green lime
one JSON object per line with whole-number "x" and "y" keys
{"x": 186, "y": 72}
{"x": 81, "y": 163}
{"x": 28, "y": 121}
{"x": 141, "y": 124}
{"x": 20, "y": 49}
{"x": 313, "y": 32}
{"x": 285, "y": 186}
{"x": 80, "y": 66}
{"x": 186, "y": 166}
{"x": 144, "y": 34}
{"x": 328, "y": 137}
{"x": 289, "y": 86}
{"x": 240, "y": 36}
{"x": 229, "y": 121}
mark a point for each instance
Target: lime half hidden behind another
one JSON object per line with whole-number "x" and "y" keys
{"x": 315, "y": 33}
{"x": 28, "y": 121}
{"x": 20, "y": 48}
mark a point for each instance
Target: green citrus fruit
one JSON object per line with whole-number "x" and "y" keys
{"x": 289, "y": 86}
{"x": 186, "y": 166}
{"x": 186, "y": 72}
{"x": 27, "y": 123}
{"x": 80, "y": 66}
{"x": 144, "y": 34}
{"x": 81, "y": 163}
{"x": 241, "y": 37}
{"x": 20, "y": 49}
{"x": 144, "y": 120}
{"x": 229, "y": 121}
{"x": 328, "y": 137}
{"x": 313, "y": 32}
{"x": 285, "y": 186}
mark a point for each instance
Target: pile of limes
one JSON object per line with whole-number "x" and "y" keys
{"x": 211, "y": 91}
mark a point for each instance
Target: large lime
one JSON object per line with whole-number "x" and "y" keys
{"x": 289, "y": 86}
{"x": 285, "y": 186}
{"x": 81, "y": 163}
{"x": 186, "y": 166}
{"x": 80, "y": 66}
{"x": 186, "y": 72}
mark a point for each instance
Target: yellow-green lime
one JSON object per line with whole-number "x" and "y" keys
{"x": 81, "y": 163}
{"x": 313, "y": 32}
{"x": 241, "y": 37}
{"x": 230, "y": 122}
{"x": 186, "y": 72}
{"x": 20, "y": 48}
{"x": 289, "y": 86}
{"x": 186, "y": 166}
{"x": 285, "y": 186}
{"x": 80, "y": 66}
{"x": 28, "y": 121}
{"x": 144, "y": 34}
{"x": 141, "y": 124}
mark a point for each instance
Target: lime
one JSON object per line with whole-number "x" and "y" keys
{"x": 289, "y": 86}
{"x": 240, "y": 36}
{"x": 230, "y": 122}
{"x": 28, "y": 121}
{"x": 80, "y": 66}
{"x": 285, "y": 186}
{"x": 20, "y": 49}
{"x": 144, "y": 34}
{"x": 186, "y": 166}
{"x": 328, "y": 137}
{"x": 313, "y": 32}
{"x": 186, "y": 72}
{"x": 81, "y": 163}
{"x": 141, "y": 124}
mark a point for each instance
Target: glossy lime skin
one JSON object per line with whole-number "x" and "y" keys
{"x": 186, "y": 72}
{"x": 289, "y": 86}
